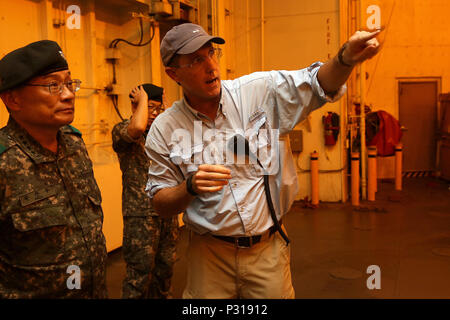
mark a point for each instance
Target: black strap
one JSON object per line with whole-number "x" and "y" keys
{"x": 240, "y": 139}
{"x": 189, "y": 187}
{"x": 341, "y": 59}
{"x": 272, "y": 210}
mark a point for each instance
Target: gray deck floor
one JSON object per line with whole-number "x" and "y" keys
{"x": 406, "y": 234}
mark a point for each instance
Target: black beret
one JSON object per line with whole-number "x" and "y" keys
{"x": 153, "y": 92}
{"x": 36, "y": 59}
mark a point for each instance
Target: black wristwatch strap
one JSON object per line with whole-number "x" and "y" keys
{"x": 189, "y": 186}
{"x": 340, "y": 58}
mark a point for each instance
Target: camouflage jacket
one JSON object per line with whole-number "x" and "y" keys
{"x": 134, "y": 164}
{"x": 50, "y": 218}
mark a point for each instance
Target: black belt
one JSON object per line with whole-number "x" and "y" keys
{"x": 246, "y": 242}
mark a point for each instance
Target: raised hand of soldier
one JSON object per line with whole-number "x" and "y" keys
{"x": 138, "y": 96}
{"x": 139, "y": 107}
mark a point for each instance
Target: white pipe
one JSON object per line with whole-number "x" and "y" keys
{"x": 362, "y": 125}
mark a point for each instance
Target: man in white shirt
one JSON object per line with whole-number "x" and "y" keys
{"x": 219, "y": 155}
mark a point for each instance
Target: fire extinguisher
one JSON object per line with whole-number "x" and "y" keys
{"x": 331, "y": 128}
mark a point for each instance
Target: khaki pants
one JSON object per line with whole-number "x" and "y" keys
{"x": 219, "y": 270}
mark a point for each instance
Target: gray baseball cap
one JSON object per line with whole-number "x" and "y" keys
{"x": 185, "y": 38}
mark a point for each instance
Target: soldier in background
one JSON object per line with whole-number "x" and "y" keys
{"x": 149, "y": 242}
{"x": 51, "y": 240}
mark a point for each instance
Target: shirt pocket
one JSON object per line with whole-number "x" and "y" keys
{"x": 46, "y": 195}
{"x": 40, "y": 235}
{"x": 263, "y": 142}
{"x": 37, "y": 219}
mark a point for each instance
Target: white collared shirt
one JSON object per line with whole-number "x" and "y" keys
{"x": 263, "y": 107}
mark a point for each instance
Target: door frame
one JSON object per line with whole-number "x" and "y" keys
{"x": 438, "y": 80}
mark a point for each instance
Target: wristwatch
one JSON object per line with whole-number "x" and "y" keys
{"x": 340, "y": 58}
{"x": 189, "y": 188}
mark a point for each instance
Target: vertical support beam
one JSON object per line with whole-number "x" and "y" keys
{"x": 262, "y": 36}
{"x": 218, "y": 29}
{"x": 362, "y": 131}
{"x": 89, "y": 63}
{"x": 46, "y": 12}
{"x": 344, "y": 23}
{"x": 176, "y": 9}
{"x": 196, "y": 13}
{"x": 362, "y": 125}
{"x": 62, "y": 29}
{"x": 214, "y": 17}
{"x": 353, "y": 26}
{"x": 353, "y": 86}
{"x": 230, "y": 15}
{"x": 344, "y": 27}
{"x": 203, "y": 14}
{"x": 155, "y": 55}
{"x": 192, "y": 13}
{"x": 247, "y": 36}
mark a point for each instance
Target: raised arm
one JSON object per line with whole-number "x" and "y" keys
{"x": 361, "y": 46}
{"x": 139, "y": 119}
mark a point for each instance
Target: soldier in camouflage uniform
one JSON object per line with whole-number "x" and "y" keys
{"x": 149, "y": 242}
{"x": 51, "y": 240}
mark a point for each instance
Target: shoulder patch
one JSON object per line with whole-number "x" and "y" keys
{"x": 75, "y": 130}
{"x": 5, "y": 143}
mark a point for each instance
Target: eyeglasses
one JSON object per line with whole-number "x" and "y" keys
{"x": 213, "y": 53}
{"x": 158, "y": 108}
{"x": 58, "y": 87}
